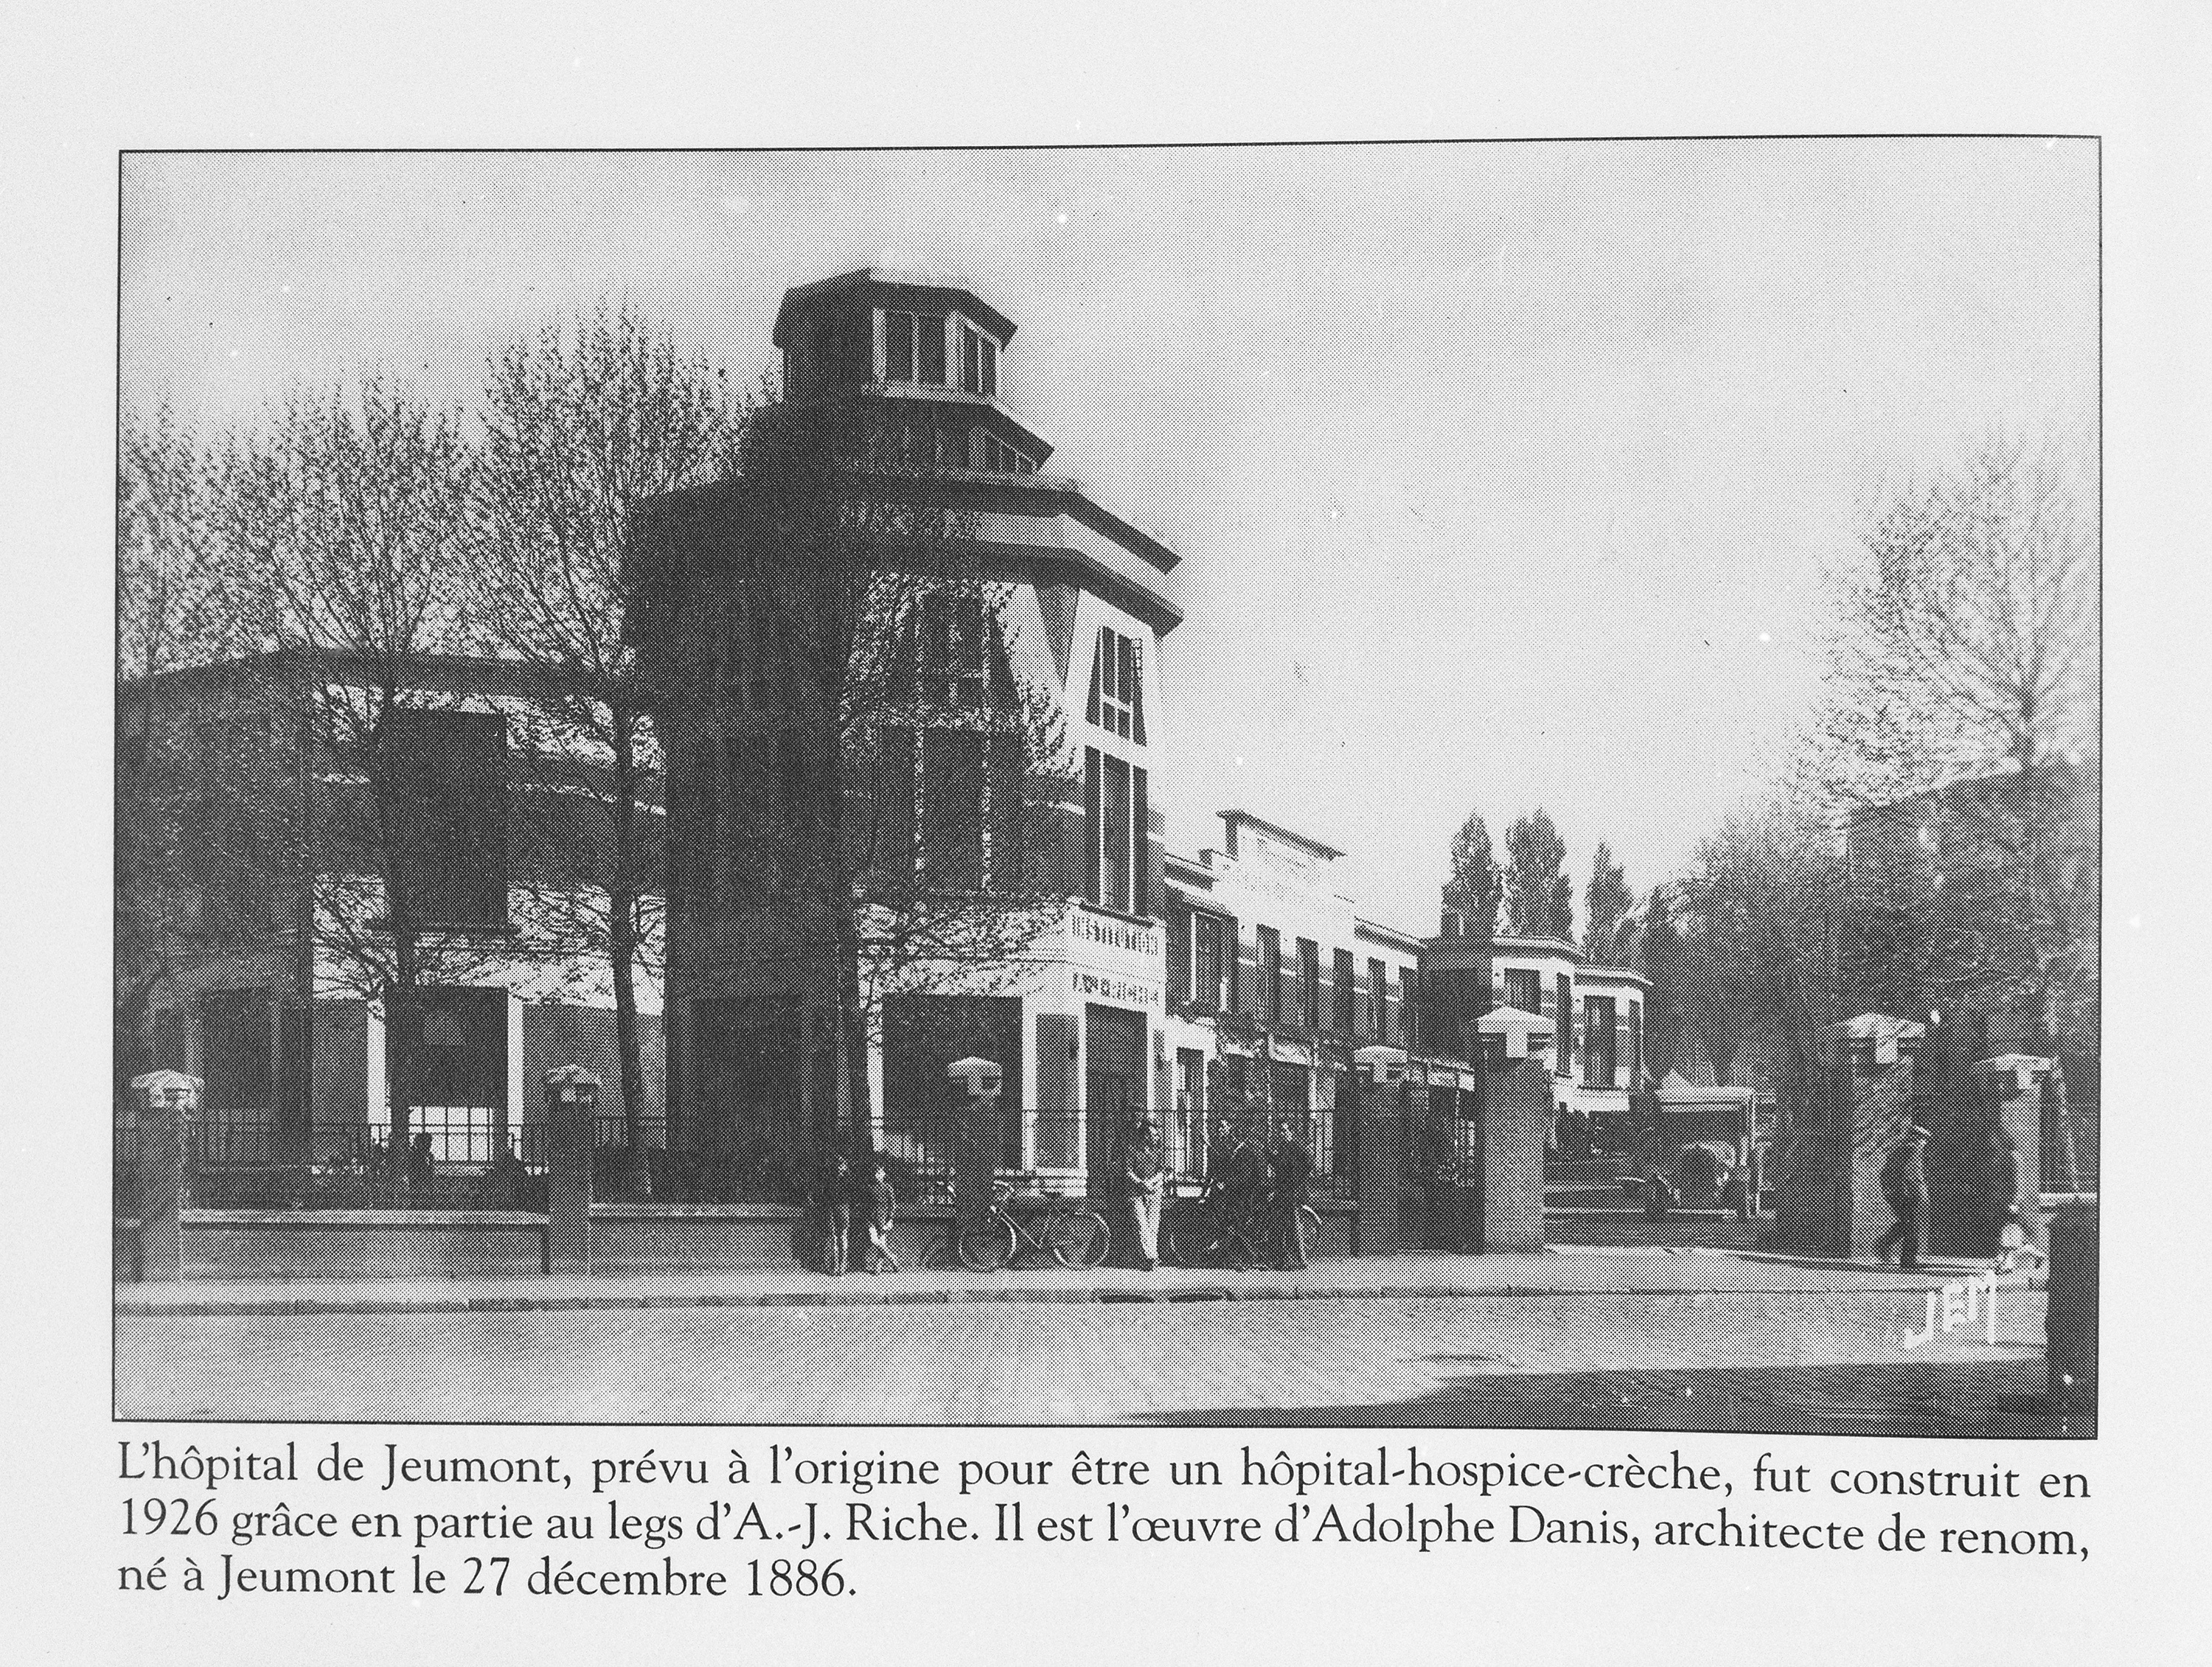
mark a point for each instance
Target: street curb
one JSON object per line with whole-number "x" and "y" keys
{"x": 973, "y": 1296}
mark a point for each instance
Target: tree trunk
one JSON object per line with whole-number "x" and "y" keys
{"x": 622, "y": 947}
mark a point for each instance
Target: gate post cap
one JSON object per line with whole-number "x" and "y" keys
{"x": 159, "y": 1090}
{"x": 977, "y": 1077}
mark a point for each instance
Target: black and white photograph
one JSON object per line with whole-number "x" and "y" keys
{"x": 1338, "y": 785}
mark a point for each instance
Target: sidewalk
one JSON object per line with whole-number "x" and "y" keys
{"x": 1578, "y": 1270}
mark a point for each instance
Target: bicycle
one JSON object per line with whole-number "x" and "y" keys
{"x": 1203, "y": 1234}
{"x": 1072, "y": 1235}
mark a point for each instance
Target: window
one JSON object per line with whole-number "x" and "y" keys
{"x": 952, "y": 819}
{"x": 1116, "y": 814}
{"x": 1378, "y": 1000}
{"x": 1205, "y": 961}
{"x": 1523, "y": 990}
{"x": 1340, "y": 992}
{"x": 955, "y": 649}
{"x": 995, "y": 456}
{"x": 1563, "y": 1052}
{"x": 1598, "y": 1041}
{"x": 234, "y": 1050}
{"x": 914, "y": 347}
{"x": 1635, "y": 1042}
{"x": 443, "y": 778}
{"x": 1116, "y": 686}
{"x": 1190, "y": 1080}
{"x": 1271, "y": 975}
{"x": 1308, "y": 1014}
{"x": 1409, "y": 990}
{"x": 979, "y": 361}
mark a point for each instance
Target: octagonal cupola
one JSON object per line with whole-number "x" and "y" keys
{"x": 930, "y": 351}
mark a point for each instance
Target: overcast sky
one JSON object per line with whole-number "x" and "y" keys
{"x": 1502, "y": 475}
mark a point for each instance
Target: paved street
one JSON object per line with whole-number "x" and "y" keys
{"x": 1780, "y": 1360}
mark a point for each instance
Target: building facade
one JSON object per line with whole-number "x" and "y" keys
{"x": 1595, "y": 1053}
{"x": 998, "y": 889}
{"x": 278, "y": 815}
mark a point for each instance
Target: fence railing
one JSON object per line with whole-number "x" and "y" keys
{"x": 1052, "y": 1150}
{"x": 1075, "y": 1154}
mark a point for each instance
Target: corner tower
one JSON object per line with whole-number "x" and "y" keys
{"x": 1078, "y": 606}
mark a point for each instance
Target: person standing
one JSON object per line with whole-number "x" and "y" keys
{"x": 421, "y": 1171}
{"x": 1290, "y": 1173}
{"x": 1239, "y": 1186}
{"x": 1905, "y": 1184}
{"x": 1143, "y": 1178}
{"x": 833, "y": 1205}
{"x": 878, "y": 1201}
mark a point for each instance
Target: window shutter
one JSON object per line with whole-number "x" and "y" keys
{"x": 1181, "y": 926}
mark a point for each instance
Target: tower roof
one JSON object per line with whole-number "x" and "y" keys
{"x": 874, "y": 284}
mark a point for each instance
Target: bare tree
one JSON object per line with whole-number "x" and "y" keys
{"x": 582, "y": 425}
{"x": 1961, "y": 731}
{"x": 344, "y": 515}
{"x": 893, "y": 775}
{"x": 179, "y": 604}
{"x": 1760, "y": 908}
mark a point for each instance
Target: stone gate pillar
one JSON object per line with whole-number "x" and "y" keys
{"x": 1517, "y": 1116}
{"x": 168, "y": 1106}
{"x": 571, "y": 1117}
{"x": 1832, "y": 1201}
{"x": 2014, "y": 1084}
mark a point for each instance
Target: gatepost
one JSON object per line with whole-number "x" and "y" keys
{"x": 572, "y": 1113}
{"x": 1517, "y": 1115}
{"x": 1833, "y": 1203}
{"x": 1379, "y": 1087}
{"x": 2014, "y": 1084}
{"x": 976, "y": 1156}
{"x": 168, "y": 1106}
{"x": 2069, "y": 1320}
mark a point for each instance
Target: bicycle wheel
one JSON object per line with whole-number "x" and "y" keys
{"x": 986, "y": 1246}
{"x": 1077, "y": 1240}
{"x": 1180, "y": 1240}
{"x": 1311, "y": 1218}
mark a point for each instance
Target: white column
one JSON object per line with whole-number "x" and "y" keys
{"x": 376, "y": 1113}
{"x": 518, "y": 1089}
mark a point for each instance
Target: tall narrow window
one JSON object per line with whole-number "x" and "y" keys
{"x": 1409, "y": 1027}
{"x": 953, "y": 651}
{"x": 979, "y": 361}
{"x": 1271, "y": 975}
{"x": 1116, "y": 686}
{"x": 1562, "y": 1057}
{"x": 1378, "y": 994}
{"x": 1116, "y": 811}
{"x": 1598, "y": 1041}
{"x": 1206, "y": 962}
{"x": 1522, "y": 991}
{"x": 898, "y": 347}
{"x": 953, "y": 808}
{"x": 1308, "y": 1014}
{"x": 1340, "y": 981}
{"x": 914, "y": 347}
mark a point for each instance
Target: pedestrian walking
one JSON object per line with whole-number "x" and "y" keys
{"x": 1290, "y": 1173}
{"x": 1144, "y": 1179}
{"x": 878, "y": 1199}
{"x": 833, "y": 1214}
{"x": 1905, "y": 1184}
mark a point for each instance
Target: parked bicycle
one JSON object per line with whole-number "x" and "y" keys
{"x": 1062, "y": 1228}
{"x": 1204, "y": 1232}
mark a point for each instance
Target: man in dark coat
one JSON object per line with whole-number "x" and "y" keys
{"x": 1290, "y": 1169}
{"x": 1905, "y": 1184}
